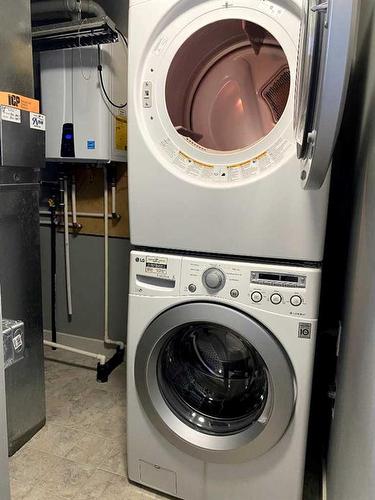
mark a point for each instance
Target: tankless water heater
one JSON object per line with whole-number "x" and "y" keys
{"x": 82, "y": 124}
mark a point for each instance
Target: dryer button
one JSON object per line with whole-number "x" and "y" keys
{"x": 147, "y": 94}
{"x": 276, "y": 299}
{"x": 192, "y": 288}
{"x": 256, "y": 297}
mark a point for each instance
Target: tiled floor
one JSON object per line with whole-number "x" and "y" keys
{"x": 81, "y": 453}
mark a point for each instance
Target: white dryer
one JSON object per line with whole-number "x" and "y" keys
{"x": 215, "y": 164}
{"x": 220, "y": 362}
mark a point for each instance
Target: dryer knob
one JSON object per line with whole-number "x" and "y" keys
{"x": 213, "y": 279}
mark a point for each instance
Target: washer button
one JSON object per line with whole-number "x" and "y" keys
{"x": 276, "y": 299}
{"x": 296, "y": 300}
{"x": 234, "y": 293}
{"x": 192, "y": 288}
{"x": 256, "y": 297}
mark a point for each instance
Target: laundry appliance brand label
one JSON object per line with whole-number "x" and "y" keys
{"x": 157, "y": 265}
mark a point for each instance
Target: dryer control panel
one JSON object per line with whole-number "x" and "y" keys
{"x": 276, "y": 288}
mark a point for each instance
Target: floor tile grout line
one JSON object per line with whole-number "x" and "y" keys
{"x": 114, "y": 473}
{"x": 115, "y": 443}
{"x": 78, "y": 462}
{"x": 100, "y": 436}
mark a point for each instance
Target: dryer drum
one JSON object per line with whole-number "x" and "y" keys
{"x": 212, "y": 378}
{"x": 228, "y": 85}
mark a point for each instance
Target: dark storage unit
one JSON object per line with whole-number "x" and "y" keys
{"x": 22, "y": 156}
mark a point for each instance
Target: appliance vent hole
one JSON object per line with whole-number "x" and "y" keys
{"x": 276, "y": 92}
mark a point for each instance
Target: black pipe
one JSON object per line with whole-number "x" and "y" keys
{"x": 52, "y": 207}
{"x": 103, "y": 371}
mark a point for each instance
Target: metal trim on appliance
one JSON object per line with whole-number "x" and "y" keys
{"x": 309, "y": 53}
{"x": 244, "y": 445}
{"x": 326, "y": 45}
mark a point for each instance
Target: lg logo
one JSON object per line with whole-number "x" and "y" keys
{"x": 14, "y": 100}
{"x": 137, "y": 259}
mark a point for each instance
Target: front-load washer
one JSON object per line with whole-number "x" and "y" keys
{"x": 220, "y": 362}
{"x": 234, "y": 109}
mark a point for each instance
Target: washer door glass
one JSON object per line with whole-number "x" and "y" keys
{"x": 228, "y": 85}
{"x": 212, "y": 378}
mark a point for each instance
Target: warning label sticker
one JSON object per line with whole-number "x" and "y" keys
{"x": 19, "y": 101}
{"x": 227, "y": 173}
{"x": 37, "y": 121}
{"x": 10, "y": 114}
{"x": 156, "y": 265}
{"x": 121, "y": 133}
{"x": 17, "y": 342}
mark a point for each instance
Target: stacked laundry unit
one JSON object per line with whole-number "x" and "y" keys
{"x": 233, "y": 116}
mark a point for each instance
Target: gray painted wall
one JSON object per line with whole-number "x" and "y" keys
{"x": 87, "y": 267}
{"x": 351, "y": 461}
{"x": 118, "y": 11}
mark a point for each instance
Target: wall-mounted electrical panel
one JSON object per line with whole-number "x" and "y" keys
{"x": 82, "y": 124}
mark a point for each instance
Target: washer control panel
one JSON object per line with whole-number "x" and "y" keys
{"x": 268, "y": 287}
{"x": 282, "y": 279}
{"x": 275, "y": 288}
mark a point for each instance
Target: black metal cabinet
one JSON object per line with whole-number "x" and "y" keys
{"x": 20, "y": 279}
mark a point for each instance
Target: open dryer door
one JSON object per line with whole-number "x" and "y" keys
{"x": 324, "y": 58}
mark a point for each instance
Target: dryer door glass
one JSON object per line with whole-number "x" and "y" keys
{"x": 228, "y": 85}
{"x": 212, "y": 378}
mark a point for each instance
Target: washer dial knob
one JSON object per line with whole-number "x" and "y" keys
{"x": 213, "y": 279}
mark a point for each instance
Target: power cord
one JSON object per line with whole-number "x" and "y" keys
{"x": 100, "y": 71}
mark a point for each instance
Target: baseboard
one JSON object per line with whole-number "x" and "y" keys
{"x": 84, "y": 343}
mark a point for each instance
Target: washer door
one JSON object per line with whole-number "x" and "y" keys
{"x": 216, "y": 383}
